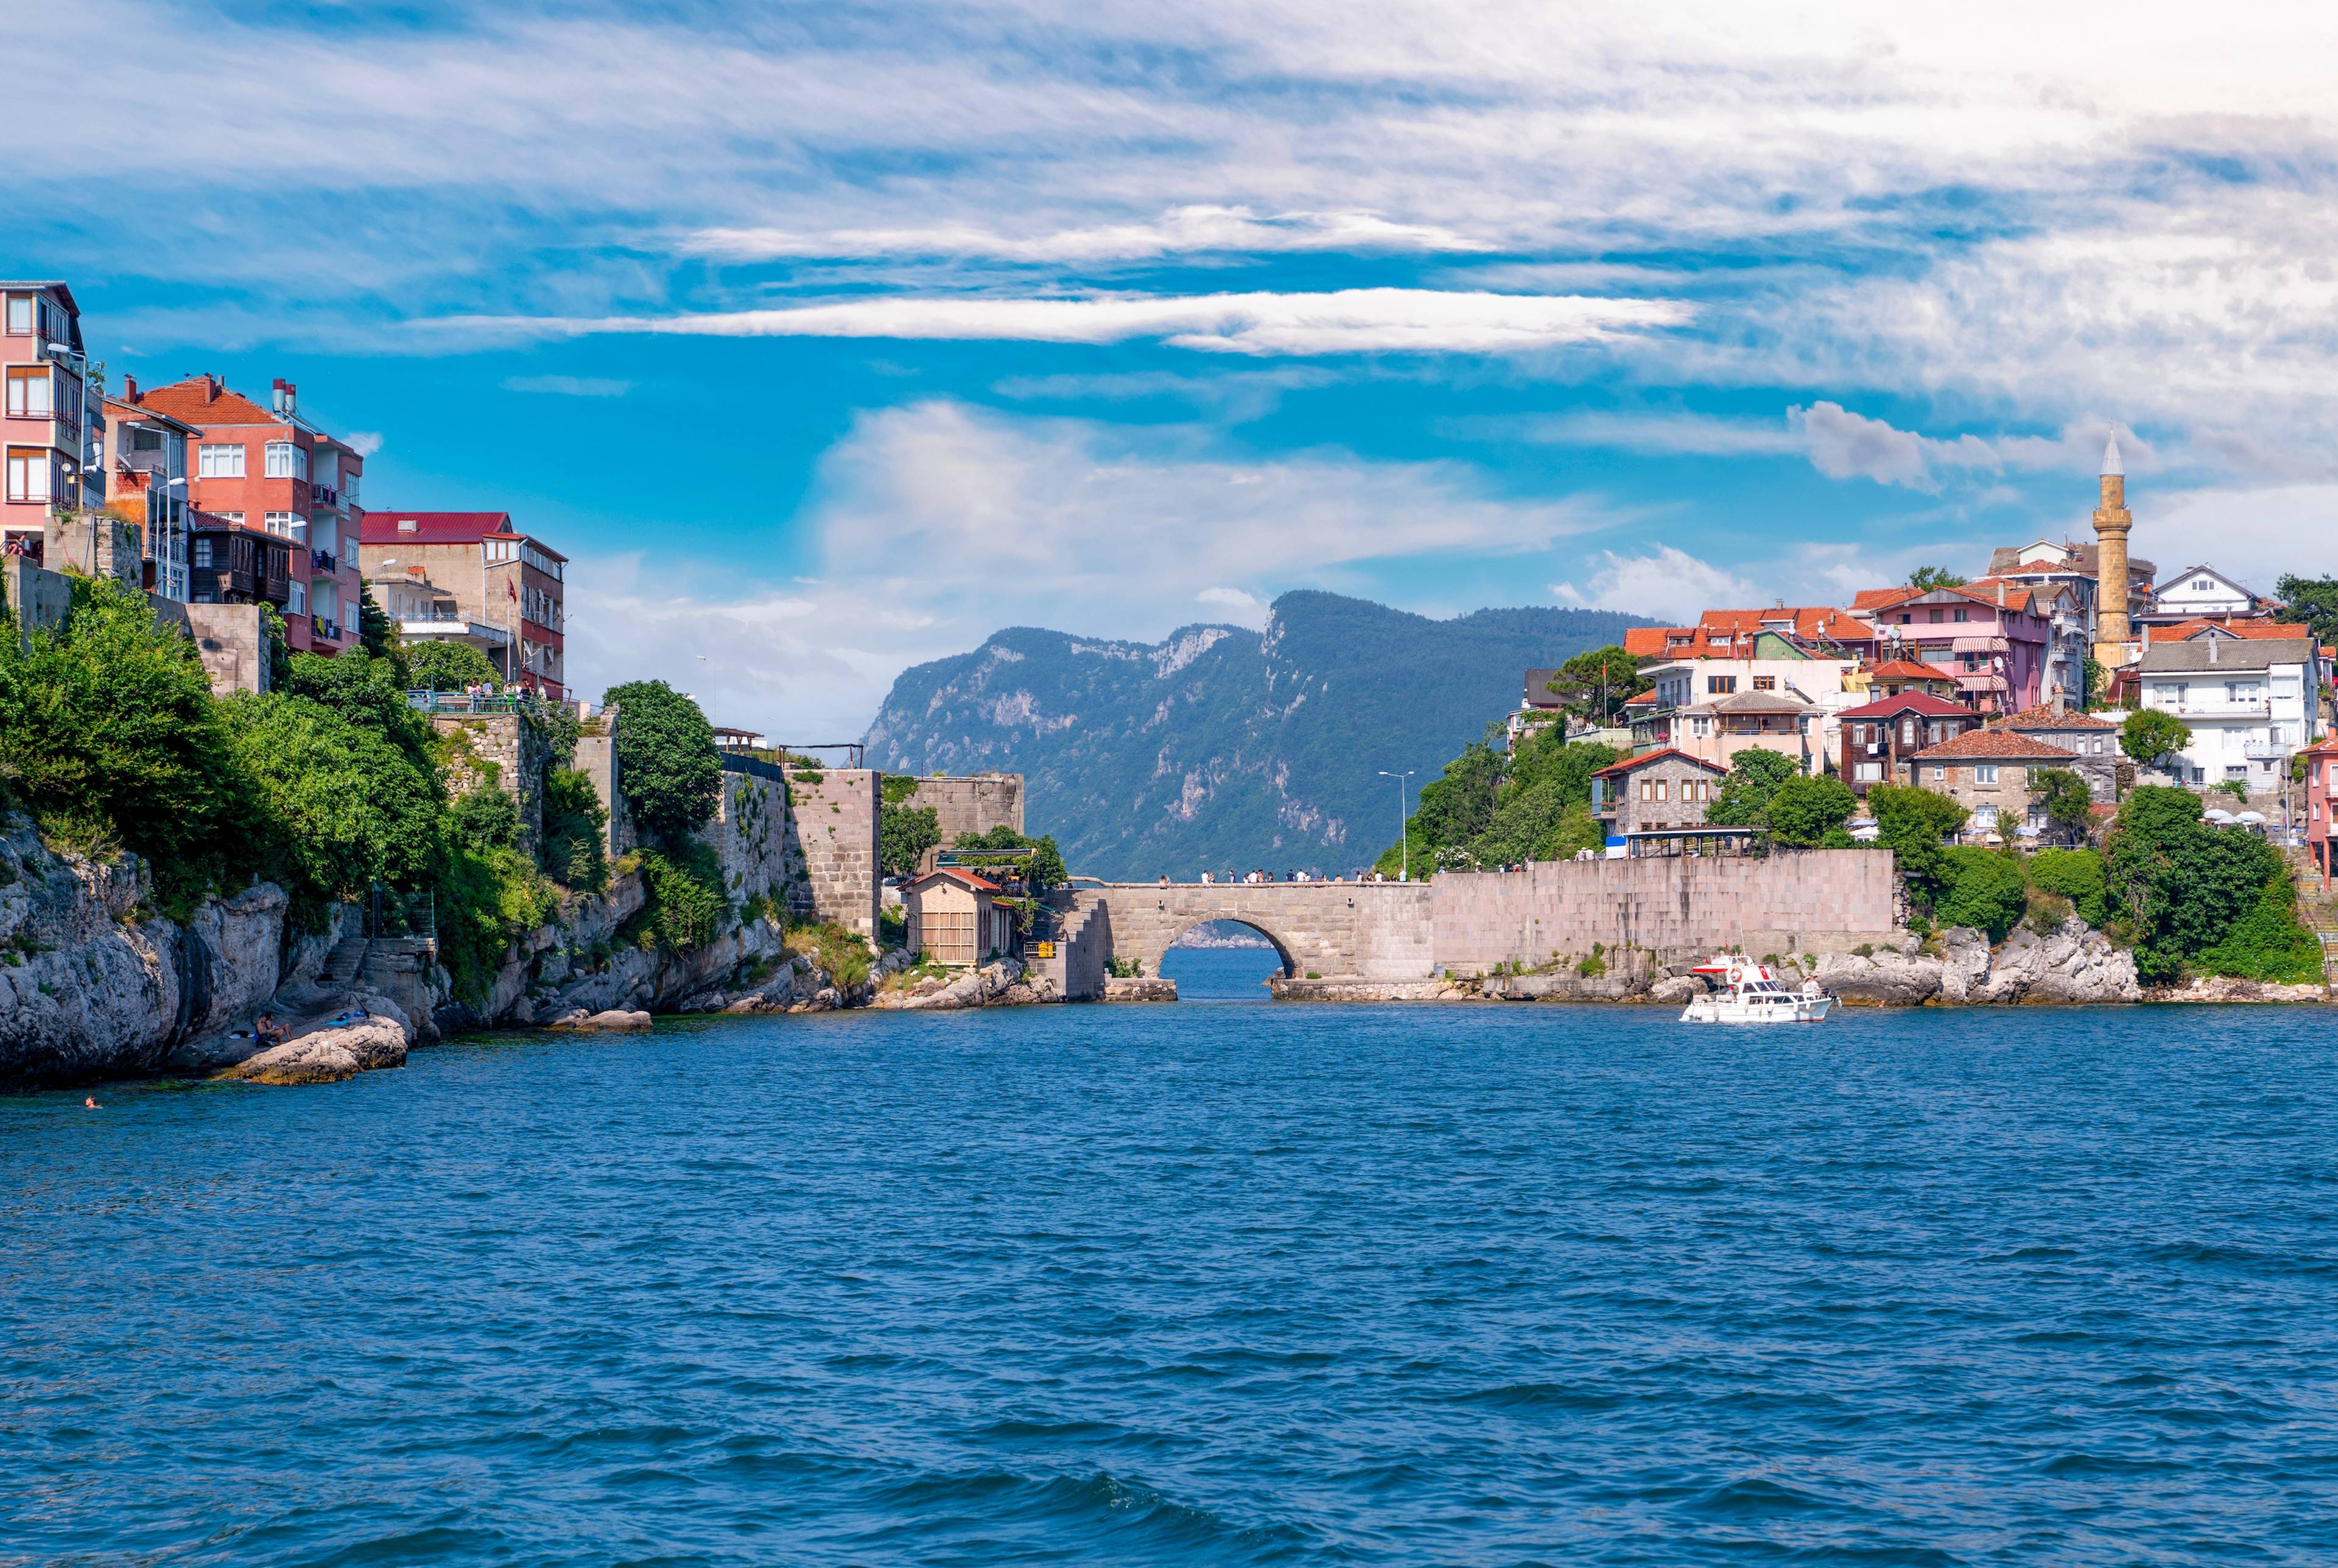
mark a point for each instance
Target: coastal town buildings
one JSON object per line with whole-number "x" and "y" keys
{"x": 2203, "y": 594}
{"x": 2250, "y": 703}
{"x": 1992, "y": 774}
{"x": 269, "y": 470}
{"x": 53, "y": 422}
{"x": 146, "y": 478}
{"x": 1879, "y": 737}
{"x": 424, "y": 613}
{"x": 1895, "y": 676}
{"x": 1655, "y": 791}
{"x": 1996, "y": 642}
{"x": 497, "y": 577}
{"x": 2089, "y": 737}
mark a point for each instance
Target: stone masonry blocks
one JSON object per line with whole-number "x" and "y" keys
{"x": 832, "y": 819}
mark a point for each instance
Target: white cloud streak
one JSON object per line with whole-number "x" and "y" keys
{"x": 1345, "y": 321}
{"x": 568, "y": 386}
{"x": 1670, "y": 584}
{"x": 1178, "y": 232}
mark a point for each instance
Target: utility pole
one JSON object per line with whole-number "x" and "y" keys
{"x": 1404, "y": 824}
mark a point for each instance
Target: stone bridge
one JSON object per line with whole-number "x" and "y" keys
{"x": 1366, "y": 930}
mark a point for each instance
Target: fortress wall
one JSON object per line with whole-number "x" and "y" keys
{"x": 1676, "y": 907}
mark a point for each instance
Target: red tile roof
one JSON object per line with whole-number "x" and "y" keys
{"x": 2186, "y": 631}
{"x": 1869, "y": 600}
{"x": 2047, "y": 717}
{"x": 958, "y": 874}
{"x": 1910, "y": 669}
{"x": 1629, "y": 763}
{"x": 205, "y": 400}
{"x": 1982, "y": 745}
{"x": 1922, "y": 702}
{"x": 1823, "y": 621}
{"x": 381, "y": 527}
{"x": 1648, "y": 641}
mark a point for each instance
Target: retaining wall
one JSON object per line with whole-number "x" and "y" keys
{"x": 833, "y": 820}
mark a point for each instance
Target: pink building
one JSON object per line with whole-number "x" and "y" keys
{"x": 1996, "y": 642}
{"x": 52, "y": 425}
{"x": 269, "y": 470}
{"x": 2321, "y": 793}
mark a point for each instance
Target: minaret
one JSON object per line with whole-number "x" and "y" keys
{"x": 2112, "y": 520}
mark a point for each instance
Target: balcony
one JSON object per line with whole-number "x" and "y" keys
{"x": 323, "y": 495}
{"x": 323, "y": 561}
{"x": 327, "y": 631}
{"x": 2207, "y": 708}
{"x": 1984, "y": 681}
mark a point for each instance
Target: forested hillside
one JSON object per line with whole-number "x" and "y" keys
{"x": 1220, "y": 747}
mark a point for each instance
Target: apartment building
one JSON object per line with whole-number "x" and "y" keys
{"x": 146, "y": 479}
{"x": 2250, "y": 703}
{"x": 1992, "y": 773}
{"x": 2203, "y": 594}
{"x": 1996, "y": 640}
{"x": 2320, "y": 796}
{"x": 1714, "y": 707}
{"x": 52, "y": 422}
{"x": 2067, "y": 575}
{"x": 497, "y": 575}
{"x": 425, "y": 614}
{"x": 1878, "y": 737}
{"x": 269, "y": 470}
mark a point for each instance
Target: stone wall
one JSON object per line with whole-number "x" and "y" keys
{"x": 749, "y": 831}
{"x": 232, "y": 639}
{"x": 832, "y": 817}
{"x": 1676, "y": 907}
{"x": 973, "y": 804}
{"x": 510, "y": 749}
{"x": 597, "y": 759}
{"x": 37, "y": 598}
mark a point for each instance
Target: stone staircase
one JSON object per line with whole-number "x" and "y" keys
{"x": 2317, "y": 910}
{"x": 330, "y": 990}
{"x": 1082, "y": 937}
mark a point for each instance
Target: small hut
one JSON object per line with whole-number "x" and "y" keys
{"x": 955, "y": 916}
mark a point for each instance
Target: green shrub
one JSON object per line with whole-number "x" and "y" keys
{"x": 1913, "y": 824}
{"x": 2181, "y": 884}
{"x": 1806, "y": 811}
{"x": 574, "y": 848}
{"x": 844, "y": 954}
{"x": 2268, "y": 943}
{"x": 341, "y": 808}
{"x": 1593, "y": 968}
{"x": 447, "y": 666}
{"x": 1984, "y": 891}
{"x": 686, "y": 902}
{"x": 2075, "y": 874}
{"x": 485, "y": 819}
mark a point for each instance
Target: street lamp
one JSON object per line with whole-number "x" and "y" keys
{"x": 1404, "y": 825}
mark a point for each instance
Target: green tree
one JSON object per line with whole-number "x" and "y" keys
{"x": 1983, "y": 889}
{"x": 2068, "y": 803}
{"x": 1805, "y": 809}
{"x": 341, "y": 806}
{"x": 1755, "y": 775}
{"x": 485, "y": 819}
{"x": 366, "y": 692}
{"x": 378, "y": 634}
{"x": 666, "y": 762}
{"x": 2075, "y": 874}
{"x": 447, "y": 666}
{"x": 904, "y": 833}
{"x": 2268, "y": 943}
{"x": 1047, "y": 866}
{"x": 1488, "y": 809}
{"x": 108, "y": 730}
{"x": 1928, "y": 578}
{"x": 2309, "y": 602}
{"x": 574, "y": 848}
{"x": 1914, "y": 824}
{"x": 2096, "y": 677}
{"x": 1599, "y": 683}
{"x": 2150, "y": 735}
{"x": 2181, "y": 884}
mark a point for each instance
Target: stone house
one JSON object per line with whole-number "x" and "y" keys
{"x": 1878, "y": 737}
{"x": 1990, "y": 773}
{"x": 2091, "y": 739}
{"x": 955, "y": 916}
{"x": 1666, "y": 789}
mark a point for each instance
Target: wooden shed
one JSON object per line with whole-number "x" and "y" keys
{"x": 955, "y": 916}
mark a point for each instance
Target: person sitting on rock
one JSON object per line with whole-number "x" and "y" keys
{"x": 267, "y": 1030}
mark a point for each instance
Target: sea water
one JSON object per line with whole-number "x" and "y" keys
{"x": 1224, "y": 1282}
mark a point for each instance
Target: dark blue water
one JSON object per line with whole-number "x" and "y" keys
{"x": 1188, "y": 1284}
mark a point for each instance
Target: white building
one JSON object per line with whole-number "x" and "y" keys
{"x": 2201, "y": 594}
{"x": 1693, "y": 683}
{"x": 2249, "y": 703}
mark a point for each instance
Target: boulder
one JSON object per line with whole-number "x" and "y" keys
{"x": 1964, "y": 959}
{"x": 611, "y": 1019}
{"x": 1884, "y": 979}
{"x": 2071, "y": 963}
{"x": 326, "y": 1055}
{"x": 1677, "y": 990}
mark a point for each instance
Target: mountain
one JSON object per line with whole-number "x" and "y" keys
{"x": 1222, "y": 747}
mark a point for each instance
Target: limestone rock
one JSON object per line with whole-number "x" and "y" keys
{"x": 612, "y": 1018}
{"x": 1884, "y": 979}
{"x": 1964, "y": 960}
{"x": 995, "y": 984}
{"x": 1677, "y": 990}
{"x": 2226, "y": 988}
{"x": 369, "y": 1044}
{"x": 2073, "y": 964}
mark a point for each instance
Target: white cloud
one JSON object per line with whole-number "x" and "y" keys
{"x": 1347, "y": 320}
{"x": 568, "y": 386}
{"x": 1669, "y": 586}
{"x": 364, "y": 443}
{"x": 1181, "y": 230}
{"x": 937, "y": 524}
{"x": 2254, "y": 533}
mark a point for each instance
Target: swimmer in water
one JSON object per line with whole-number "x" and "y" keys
{"x": 89, "y": 1101}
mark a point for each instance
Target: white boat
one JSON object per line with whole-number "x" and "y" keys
{"x": 1746, "y": 992}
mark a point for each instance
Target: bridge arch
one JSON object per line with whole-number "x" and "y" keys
{"x": 1345, "y": 929}
{"x": 1282, "y": 949}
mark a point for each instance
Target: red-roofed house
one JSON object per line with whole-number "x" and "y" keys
{"x": 1878, "y": 737}
{"x": 1666, "y": 789}
{"x": 269, "y": 470}
{"x": 498, "y": 578}
{"x": 1988, "y": 772}
{"x": 1997, "y": 642}
{"x": 954, "y": 917}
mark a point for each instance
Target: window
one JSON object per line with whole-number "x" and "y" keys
{"x": 1765, "y": 682}
{"x": 1964, "y": 615}
{"x": 20, "y": 315}
{"x": 31, "y": 392}
{"x": 1662, "y": 789}
{"x": 1720, "y": 685}
{"x": 1936, "y": 616}
{"x": 1869, "y": 772}
{"x": 1647, "y": 789}
{"x": 29, "y": 474}
{"x": 1907, "y": 732}
{"x": 2200, "y": 583}
{"x": 1906, "y": 620}
{"x": 408, "y": 526}
{"x": 349, "y": 488}
{"x": 1939, "y": 772}
{"x": 203, "y": 550}
{"x": 298, "y": 603}
{"x": 284, "y": 525}
{"x": 145, "y": 438}
{"x": 1985, "y": 817}
{"x": 1985, "y": 773}
{"x": 234, "y": 517}
{"x": 218, "y": 461}
{"x": 286, "y": 461}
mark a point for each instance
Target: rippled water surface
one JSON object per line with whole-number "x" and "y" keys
{"x": 1222, "y": 1283}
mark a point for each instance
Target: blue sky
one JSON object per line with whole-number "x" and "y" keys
{"x": 826, "y": 339}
